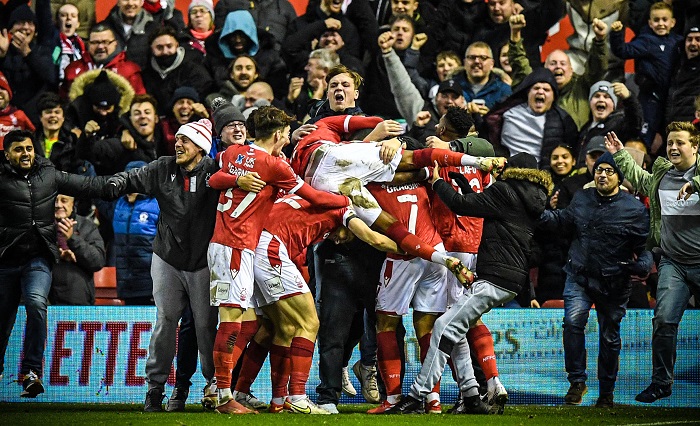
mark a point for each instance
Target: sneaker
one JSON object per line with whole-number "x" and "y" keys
{"x": 605, "y": 400}
{"x": 233, "y": 407}
{"x": 576, "y": 392}
{"x": 278, "y": 408}
{"x": 653, "y": 393}
{"x": 384, "y": 406}
{"x": 210, "y": 397}
{"x": 368, "y": 382}
{"x": 249, "y": 400}
{"x": 31, "y": 385}
{"x": 348, "y": 388}
{"x": 178, "y": 399}
{"x": 471, "y": 405}
{"x": 330, "y": 407}
{"x": 407, "y": 405}
{"x": 154, "y": 400}
{"x": 433, "y": 407}
{"x": 305, "y": 406}
{"x": 457, "y": 407}
{"x": 497, "y": 397}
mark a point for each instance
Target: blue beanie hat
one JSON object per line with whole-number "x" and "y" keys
{"x": 607, "y": 158}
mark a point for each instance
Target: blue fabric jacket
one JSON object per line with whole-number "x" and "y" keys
{"x": 607, "y": 234}
{"x": 135, "y": 227}
{"x": 493, "y": 92}
{"x": 655, "y": 57}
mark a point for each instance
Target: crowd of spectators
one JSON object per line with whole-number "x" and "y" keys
{"x": 99, "y": 98}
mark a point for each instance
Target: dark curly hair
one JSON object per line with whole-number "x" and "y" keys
{"x": 460, "y": 120}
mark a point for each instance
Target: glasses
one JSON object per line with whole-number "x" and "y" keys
{"x": 99, "y": 42}
{"x": 198, "y": 11}
{"x": 235, "y": 124}
{"x": 482, "y": 58}
{"x": 608, "y": 171}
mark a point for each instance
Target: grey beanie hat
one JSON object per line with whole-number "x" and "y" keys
{"x": 605, "y": 87}
{"x": 223, "y": 113}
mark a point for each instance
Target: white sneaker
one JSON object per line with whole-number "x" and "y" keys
{"x": 497, "y": 395}
{"x": 368, "y": 382}
{"x": 305, "y": 406}
{"x": 330, "y": 407}
{"x": 210, "y": 398}
{"x": 249, "y": 400}
{"x": 348, "y": 388}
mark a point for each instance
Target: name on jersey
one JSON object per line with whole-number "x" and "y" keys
{"x": 232, "y": 169}
{"x": 406, "y": 187}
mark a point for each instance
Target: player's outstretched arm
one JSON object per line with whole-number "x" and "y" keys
{"x": 375, "y": 239}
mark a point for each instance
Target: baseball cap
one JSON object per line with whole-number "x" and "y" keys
{"x": 450, "y": 85}
{"x": 596, "y": 144}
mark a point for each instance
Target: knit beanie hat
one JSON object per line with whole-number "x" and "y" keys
{"x": 522, "y": 160}
{"x": 184, "y": 92}
{"x": 134, "y": 165}
{"x": 5, "y": 85}
{"x": 199, "y": 132}
{"x": 208, "y": 4}
{"x": 605, "y": 87}
{"x": 21, "y": 13}
{"x": 223, "y": 113}
{"x": 607, "y": 158}
{"x": 102, "y": 92}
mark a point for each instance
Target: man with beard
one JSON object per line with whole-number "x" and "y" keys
{"x": 104, "y": 52}
{"x": 169, "y": 69}
{"x": 530, "y": 120}
{"x": 595, "y": 218}
{"x": 685, "y": 85}
{"x": 242, "y": 72}
{"x": 573, "y": 88}
{"x": 481, "y": 87}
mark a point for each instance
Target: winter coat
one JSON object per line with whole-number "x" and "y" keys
{"x": 27, "y": 227}
{"x": 559, "y": 126}
{"x": 135, "y": 44}
{"x": 685, "y": 87}
{"x": 511, "y": 208}
{"x": 135, "y": 226}
{"x": 187, "y": 208}
{"x": 609, "y": 235}
{"x": 63, "y": 152}
{"x": 494, "y": 91}
{"x": 119, "y": 64}
{"x": 72, "y": 283}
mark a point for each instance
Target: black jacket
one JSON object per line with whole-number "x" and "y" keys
{"x": 685, "y": 87}
{"x": 511, "y": 208}
{"x": 72, "y": 283}
{"x": 187, "y": 217}
{"x": 27, "y": 227}
{"x": 609, "y": 236}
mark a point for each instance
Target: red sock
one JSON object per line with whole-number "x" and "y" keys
{"x": 409, "y": 242}
{"x": 445, "y": 158}
{"x": 280, "y": 363}
{"x": 389, "y": 361}
{"x": 481, "y": 341}
{"x": 424, "y": 344}
{"x": 302, "y": 352}
{"x": 253, "y": 361}
{"x": 223, "y": 352}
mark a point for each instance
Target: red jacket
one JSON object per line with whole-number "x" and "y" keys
{"x": 119, "y": 64}
{"x": 12, "y": 118}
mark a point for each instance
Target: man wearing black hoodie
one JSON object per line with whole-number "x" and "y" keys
{"x": 510, "y": 207}
{"x": 530, "y": 120}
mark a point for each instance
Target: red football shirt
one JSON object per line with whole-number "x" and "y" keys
{"x": 410, "y": 205}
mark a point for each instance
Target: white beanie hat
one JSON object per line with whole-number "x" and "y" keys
{"x": 199, "y": 133}
{"x": 208, "y": 4}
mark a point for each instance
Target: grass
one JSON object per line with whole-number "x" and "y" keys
{"x": 108, "y": 414}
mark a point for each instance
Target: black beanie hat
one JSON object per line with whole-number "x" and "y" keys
{"x": 21, "y": 13}
{"x": 607, "y": 158}
{"x": 102, "y": 92}
{"x": 522, "y": 160}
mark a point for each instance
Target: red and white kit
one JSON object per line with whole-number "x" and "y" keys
{"x": 294, "y": 225}
{"x": 410, "y": 281}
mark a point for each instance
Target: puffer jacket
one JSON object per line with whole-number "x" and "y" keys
{"x": 511, "y": 208}
{"x": 608, "y": 232}
{"x": 27, "y": 225}
{"x": 135, "y": 226}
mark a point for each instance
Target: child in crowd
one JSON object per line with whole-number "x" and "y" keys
{"x": 654, "y": 51}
